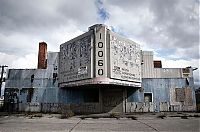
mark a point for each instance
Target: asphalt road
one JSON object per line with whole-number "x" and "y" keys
{"x": 49, "y": 123}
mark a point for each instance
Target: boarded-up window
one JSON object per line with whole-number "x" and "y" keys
{"x": 184, "y": 95}
{"x": 180, "y": 94}
{"x": 188, "y": 96}
{"x": 186, "y": 72}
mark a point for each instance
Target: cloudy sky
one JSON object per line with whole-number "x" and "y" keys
{"x": 170, "y": 28}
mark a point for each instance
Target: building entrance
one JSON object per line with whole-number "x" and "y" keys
{"x": 112, "y": 100}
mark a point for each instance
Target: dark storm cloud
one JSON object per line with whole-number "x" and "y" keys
{"x": 23, "y": 14}
{"x": 171, "y": 27}
{"x": 169, "y": 23}
{"x": 23, "y": 23}
{"x": 179, "y": 19}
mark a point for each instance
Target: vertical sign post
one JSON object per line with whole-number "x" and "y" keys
{"x": 100, "y": 52}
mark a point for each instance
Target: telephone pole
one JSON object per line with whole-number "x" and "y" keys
{"x": 1, "y": 79}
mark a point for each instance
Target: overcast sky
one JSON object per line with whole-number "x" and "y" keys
{"x": 170, "y": 28}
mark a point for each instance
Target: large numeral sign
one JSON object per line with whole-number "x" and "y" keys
{"x": 101, "y": 52}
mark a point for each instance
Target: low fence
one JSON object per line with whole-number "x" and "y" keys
{"x": 53, "y": 107}
{"x": 95, "y": 107}
{"x": 160, "y": 107}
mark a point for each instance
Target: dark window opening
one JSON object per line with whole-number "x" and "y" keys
{"x": 30, "y": 94}
{"x": 54, "y": 77}
{"x": 32, "y": 78}
{"x": 91, "y": 96}
{"x": 157, "y": 64}
{"x": 4, "y": 79}
{"x": 147, "y": 97}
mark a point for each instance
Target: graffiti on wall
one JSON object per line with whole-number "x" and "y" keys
{"x": 11, "y": 95}
{"x": 125, "y": 59}
{"x": 75, "y": 59}
{"x": 140, "y": 107}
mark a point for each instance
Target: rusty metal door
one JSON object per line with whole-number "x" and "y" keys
{"x": 112, "y": 100}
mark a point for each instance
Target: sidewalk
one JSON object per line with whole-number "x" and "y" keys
{"x": 136, "y": 116}
{"x": 38, "y": 122}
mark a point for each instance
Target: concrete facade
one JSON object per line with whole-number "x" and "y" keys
{"x": 98, "y": 72}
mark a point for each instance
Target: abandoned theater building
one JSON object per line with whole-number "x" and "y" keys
{"x": 99, "y": 71}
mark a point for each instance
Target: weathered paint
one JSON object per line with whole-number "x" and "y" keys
{"x": 197, "y": 95}
{"x": 99, "y": 54}
{"x": 162, "y": 90}
{"x": 148, "y": 70}
{"x": 140, "y": 107}
{"x": 147, "y": 64}
{"x": 38, "y": 90}
{"x": 125, "y": 61}
{"x": 75, "y": 62}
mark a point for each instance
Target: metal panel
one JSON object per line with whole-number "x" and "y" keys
{"x": 167, "y": 73}
{"x": 75, "y": 59}
{"x": 164, "y": 91}
{"x": 125, "y": 57}
{"x": 147, "y": 64}
{"x": 148, "y": 70}
{"x": 19, "y": 78}
{"x": 52, "y": 63}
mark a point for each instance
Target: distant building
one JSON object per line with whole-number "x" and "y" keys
{"x": 99, "y": 71}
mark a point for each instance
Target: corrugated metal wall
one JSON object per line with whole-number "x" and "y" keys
{"x": 167, "y": 73}
{"x": 147, "y": 64}
{"x": 162, "y": 89}
{"x": 148, "y": 70}
{"x": 43, "y": 89}
{"x": 164, "y": 96}
{"x": 40, "y": 82}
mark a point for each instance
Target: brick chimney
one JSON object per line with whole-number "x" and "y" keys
{"x": 42, "y": 56}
